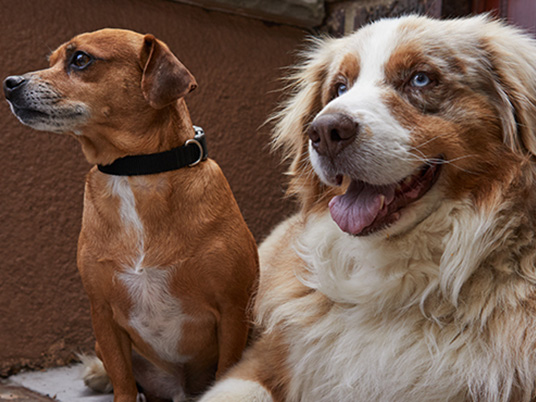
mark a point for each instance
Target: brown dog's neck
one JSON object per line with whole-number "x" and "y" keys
{"x": 168, "y": 128}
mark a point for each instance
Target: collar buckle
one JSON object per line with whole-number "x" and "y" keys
{"x": 199, "y": 140}
{"x": 201, "y": 151}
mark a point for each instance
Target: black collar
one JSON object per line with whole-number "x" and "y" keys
{"x": 190, "y": 154}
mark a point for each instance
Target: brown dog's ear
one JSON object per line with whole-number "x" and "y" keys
{"x": 165, "y": 79}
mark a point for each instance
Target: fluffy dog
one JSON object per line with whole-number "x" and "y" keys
{"x": 164, "y": 254}
{"x": 409, "y": 274}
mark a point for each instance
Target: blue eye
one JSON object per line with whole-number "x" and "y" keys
{"x": 341, "y": 89}
{"x": 420, "y": 80}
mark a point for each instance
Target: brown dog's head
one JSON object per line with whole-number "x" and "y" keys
{"x": 107, "y": 87}
{"x": 410, "y": 114}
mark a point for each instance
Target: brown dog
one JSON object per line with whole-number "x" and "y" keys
{"x": 166, "y": 258}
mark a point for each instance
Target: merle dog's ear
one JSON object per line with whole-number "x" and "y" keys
{"x": 165, "y": 79}
{"x": 511, "y": 59}
{"x": 295, "y": 116}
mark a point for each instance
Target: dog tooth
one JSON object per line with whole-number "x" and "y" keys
{"x": 382, "y": 201}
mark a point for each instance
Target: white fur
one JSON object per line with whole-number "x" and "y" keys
{"x": 380, "y": 335}
{"x": 120, "y": 187}
{"x": 237, "y": 390}
{"x": 94, "y": 374}
{"x": 156, "y": 315}
{"x": 382, "y": 152}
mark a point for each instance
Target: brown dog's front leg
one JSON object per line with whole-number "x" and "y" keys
{"x": 115, "y": 351}
{"x": 232, "y": 337}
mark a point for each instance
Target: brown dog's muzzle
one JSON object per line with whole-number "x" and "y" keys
{"x": 38, "y": 104}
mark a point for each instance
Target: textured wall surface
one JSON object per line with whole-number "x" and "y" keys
{"x": 345, "y": 16}
{"x": 304, "y": 13}
{"x": 237, "y": 61}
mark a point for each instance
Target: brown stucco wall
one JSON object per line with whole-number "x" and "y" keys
{"x": 237, "y": 62}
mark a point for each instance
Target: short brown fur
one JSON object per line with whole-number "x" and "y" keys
{"x": 192, "y": 227}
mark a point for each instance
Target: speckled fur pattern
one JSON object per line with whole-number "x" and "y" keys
{"x": 441, "y": 304}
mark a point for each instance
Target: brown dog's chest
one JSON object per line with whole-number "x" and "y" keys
{"x": 155, "y": 315}
{"x": 150, "y": 281}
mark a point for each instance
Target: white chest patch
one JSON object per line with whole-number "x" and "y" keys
{"x": 376, "y": 343}
{"x": 156, "y": 315}
{"x": 120, "y": 187}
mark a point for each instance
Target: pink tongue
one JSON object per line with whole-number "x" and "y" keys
{"x": 359, "y": 206}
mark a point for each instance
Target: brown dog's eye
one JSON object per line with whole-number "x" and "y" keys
{"x": 81, "y": 60}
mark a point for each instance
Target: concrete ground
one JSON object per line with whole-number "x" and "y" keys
{"x": 62, "y": 384}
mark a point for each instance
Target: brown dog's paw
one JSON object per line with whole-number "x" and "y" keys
{"x": 94, "y": 374}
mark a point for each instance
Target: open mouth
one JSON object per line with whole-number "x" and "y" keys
{"x": 366, "y": 208}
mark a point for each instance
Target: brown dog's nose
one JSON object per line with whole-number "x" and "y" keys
{"x": 331, "y": 133}
{"x": 12, "y": 83}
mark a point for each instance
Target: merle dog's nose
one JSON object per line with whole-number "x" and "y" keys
{"x": 12, "y": 83}
{"x": 331, "y": 133}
